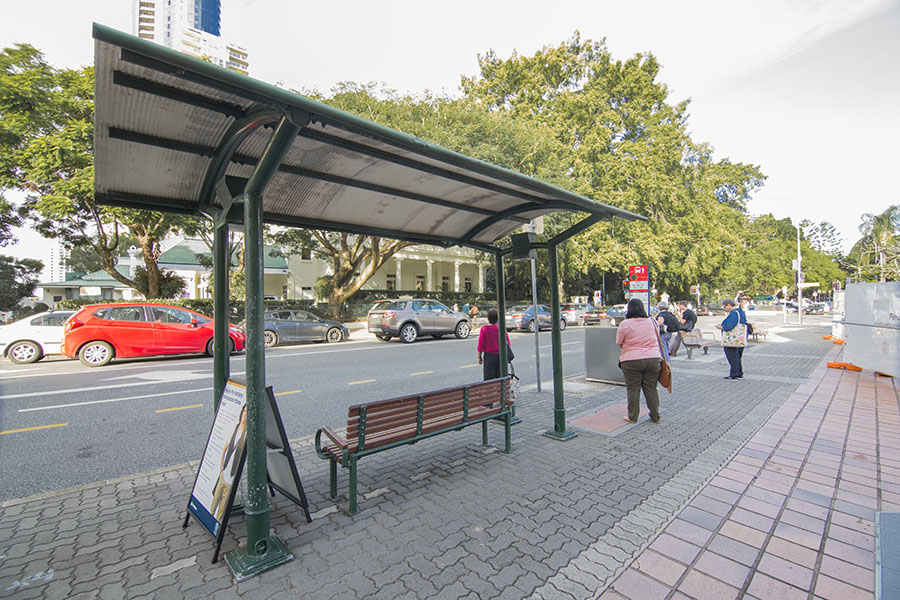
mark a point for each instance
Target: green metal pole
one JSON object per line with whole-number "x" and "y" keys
{"x": 263, "y": 551}
{"x": 559, "y": 402}
{"x": 221, "y": 360}
{"x": 501, "y": 316}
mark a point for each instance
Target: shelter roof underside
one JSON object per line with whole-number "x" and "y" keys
{"x": 169, "y": 127}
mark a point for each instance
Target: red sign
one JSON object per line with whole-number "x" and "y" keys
{"x": 639, "y": 278}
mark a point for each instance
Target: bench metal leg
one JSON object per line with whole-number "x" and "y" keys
{"x": 508, "y": 426}
{"x": 352, "y": 485}
{"x": 332, "y": 466}
{"x": 484, "y": 433}
{"x": 689, "y": 351}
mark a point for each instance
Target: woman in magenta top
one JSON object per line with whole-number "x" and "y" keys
{"x": 640, "y": 359}
{"x": 489, "y": 347}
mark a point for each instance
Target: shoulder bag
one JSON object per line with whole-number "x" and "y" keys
{"x": 514, "y": 390}
{"x": 735, "y": 338}
{"x": 665, "y": 371}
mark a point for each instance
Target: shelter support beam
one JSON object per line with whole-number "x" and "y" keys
{"x": 262, "y": 551}
{"x": 221, "y": 340}
{"x": 501, "y": 316}
{"x": 559, "y": 401}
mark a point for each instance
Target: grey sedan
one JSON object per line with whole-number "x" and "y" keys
{"x": 301, "y": 326}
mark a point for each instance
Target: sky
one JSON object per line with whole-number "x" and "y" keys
{"x": 807, "y": 90}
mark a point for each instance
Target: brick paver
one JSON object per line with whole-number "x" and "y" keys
{"x": 762, "y": 488}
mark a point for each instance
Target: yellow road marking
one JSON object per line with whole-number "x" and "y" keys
{"x": 421, "y": 373}
{"x": 162, "y": 410}
{"x": 290, "y": 392}
{"x": 363, "y": 381}
{"x": 469, "y": 366}
{"x": 32, "y": 428}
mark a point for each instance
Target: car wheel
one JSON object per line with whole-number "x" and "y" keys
{"x": 462, "y": 330}
{"x": 562, "y": 324}
{"x": 210, "y": 349}
{"x": 409, "y": 333}
{"x": 334, "y": 335}
{"x": 270, "y": 338}
{"x": 531, "y": 326}
{"x": 95, "y": 354}
{"x": 23, "y": 353}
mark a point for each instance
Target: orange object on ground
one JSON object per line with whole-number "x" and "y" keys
{"x": 827, "y": 337}
{"x": 882, "y": 374}
{"x": 833, "y": 364}
{"x": 837, "y": 341}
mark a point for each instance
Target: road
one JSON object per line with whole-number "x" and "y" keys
{"x": 64, "y": 424}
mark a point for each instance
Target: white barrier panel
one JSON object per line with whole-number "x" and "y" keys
{"x": 872, "y": 326}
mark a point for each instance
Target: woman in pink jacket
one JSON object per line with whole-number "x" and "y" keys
{"x": 640, "y": 359}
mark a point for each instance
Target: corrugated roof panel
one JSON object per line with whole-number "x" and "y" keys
{"x": 163, "y": 123}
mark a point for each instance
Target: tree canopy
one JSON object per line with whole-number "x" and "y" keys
{"x": 46, "y": 150}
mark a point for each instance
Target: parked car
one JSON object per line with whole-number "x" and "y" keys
{"x": 574, "y": 313}
{"x": 292, "y": 325}
{"x": 617, "y": 313}
{"x": 596, "y": 315}
{"x": 98, "y": 333}
{"x": 521, "y": 317}
{"x": 411, "y": 318}
{"x": 32, "y": 338}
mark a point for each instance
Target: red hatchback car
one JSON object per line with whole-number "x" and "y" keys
{"x": 98, "y": 333}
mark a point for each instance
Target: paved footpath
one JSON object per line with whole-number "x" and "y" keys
{"x": 761, "y": 488}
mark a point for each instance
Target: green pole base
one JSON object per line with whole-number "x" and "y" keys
{"x": 560, "y": 436}
{"x": 244, "y": 566}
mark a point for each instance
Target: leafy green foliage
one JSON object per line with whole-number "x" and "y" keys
{"x": 46, "y": 150}
{"x": 171, "y": 285}
{"x": 18, "y": 279}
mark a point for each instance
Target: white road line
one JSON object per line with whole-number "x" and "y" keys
{"x": 182, "y": 392}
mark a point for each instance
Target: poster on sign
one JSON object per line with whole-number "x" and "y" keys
{"x": 222, "y": 462}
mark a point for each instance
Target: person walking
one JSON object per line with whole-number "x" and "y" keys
{"x": 668, "y": 326}
{"x": 731, "y": 343}
{"x": 640, "y": 359}
{"x": 489, "y": 346}
{"x": 473, "y": 313}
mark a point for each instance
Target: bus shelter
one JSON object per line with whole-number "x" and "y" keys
{"x": 178, "y": 134}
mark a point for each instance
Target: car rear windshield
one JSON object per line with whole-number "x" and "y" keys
{"x": 398, "y": 305}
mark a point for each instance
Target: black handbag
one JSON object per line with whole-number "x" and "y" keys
{"x": 509, "y": 353}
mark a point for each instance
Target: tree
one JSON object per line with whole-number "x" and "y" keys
{"x": 46, "y": 150}
{"x": 8, "y": 220}
{"x": 624, "y": 144}
{"x": 879, "y": 242}
{"x": 171, "y": 285}
{"x": 823, "y": 236}
{"x": 18, "y": 278}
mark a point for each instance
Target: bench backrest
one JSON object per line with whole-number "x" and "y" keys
{"x": 388, "y": 421}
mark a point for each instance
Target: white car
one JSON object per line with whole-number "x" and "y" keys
{"x": 32, "y": 338}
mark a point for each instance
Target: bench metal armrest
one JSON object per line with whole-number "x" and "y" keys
{"x": 342, "y": 444}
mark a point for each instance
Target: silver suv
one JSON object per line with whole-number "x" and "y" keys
{"x": 408, "y": 319}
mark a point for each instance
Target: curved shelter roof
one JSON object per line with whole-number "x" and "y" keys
{"x": 169, "y": 128}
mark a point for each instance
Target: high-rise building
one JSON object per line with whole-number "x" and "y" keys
{"x": 189, "y": 26}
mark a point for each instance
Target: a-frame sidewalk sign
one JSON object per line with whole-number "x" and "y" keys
{"x": 215, "y": 486}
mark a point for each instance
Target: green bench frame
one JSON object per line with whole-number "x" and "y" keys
{"x": 385, "y": 424}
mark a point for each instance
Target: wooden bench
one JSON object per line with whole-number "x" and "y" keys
{"x": 694, "y": 339}
{"x": 386, "y": 424}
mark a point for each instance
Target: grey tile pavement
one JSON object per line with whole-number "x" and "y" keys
{"x": 442, "y": 519}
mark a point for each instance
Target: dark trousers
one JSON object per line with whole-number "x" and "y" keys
{"x": 642, "y": 374}
{"x": 490, "y": 363}
{"x": 734, "y": 361}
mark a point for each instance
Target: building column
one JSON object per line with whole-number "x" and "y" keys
{"x": 456, "y": 276}
{"x": 399, "y": 282}
{"x": 480, "y": 279}
{"x": 429, "y": 286}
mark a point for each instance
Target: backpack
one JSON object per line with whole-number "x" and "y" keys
{"x": 671, "y": 321}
